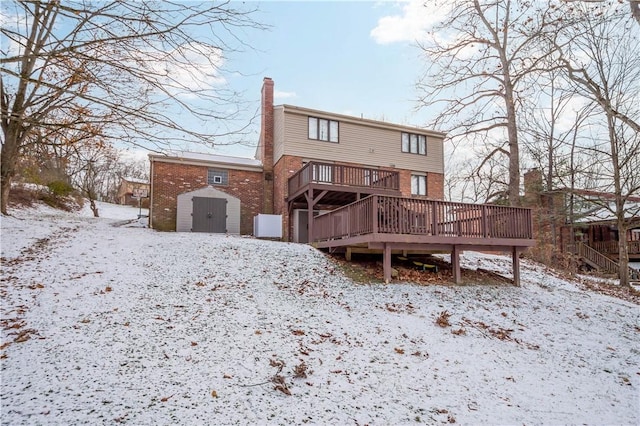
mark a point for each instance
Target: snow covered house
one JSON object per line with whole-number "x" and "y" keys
{"x": 340, "y": 182}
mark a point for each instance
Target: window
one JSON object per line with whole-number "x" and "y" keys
{"x": 218, "y": 177}
{"x": 418, "y": 185}
{"x": 322, "y": 173}
{"x": 323, "y": 130}
{"x": 414, "y": 144}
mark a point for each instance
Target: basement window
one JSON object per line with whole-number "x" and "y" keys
{"x": 218, "y": 177}
{"x": 418, "y": 185}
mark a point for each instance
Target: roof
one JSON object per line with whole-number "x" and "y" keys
{"x": 360, "y": 120}
{"x": 136, "y": 180}
{"x": 200, "y": 158}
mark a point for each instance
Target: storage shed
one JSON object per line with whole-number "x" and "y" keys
{"x": 208, "y": 210}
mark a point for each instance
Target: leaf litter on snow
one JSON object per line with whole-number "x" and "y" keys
{"x": 273, "y": 333}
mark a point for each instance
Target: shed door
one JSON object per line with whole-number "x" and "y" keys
{"x": 209, "y": 215}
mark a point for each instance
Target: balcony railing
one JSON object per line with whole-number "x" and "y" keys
{"x": 336, "y": 174}
{"x": 396, "y": 215}
{"x": 611, "y": 247}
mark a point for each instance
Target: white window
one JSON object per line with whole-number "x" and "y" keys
{"x": 313, "y": 128}
{"x": 418, "y": 185}
{"x": 333, "y": 131}
{"x": 322, "y": 173}
{"x": 323, "y": 130}
{"x": 370, "y": 177}
{"x": 414, "y": 143}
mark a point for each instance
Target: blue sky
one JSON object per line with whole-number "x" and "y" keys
{"x": 355, "y": 58}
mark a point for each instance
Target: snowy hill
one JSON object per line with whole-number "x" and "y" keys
{"x": 106, "y": 321}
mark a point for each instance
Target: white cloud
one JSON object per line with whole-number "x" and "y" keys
{"x": 279, "y": 94}
{"x": 412, "y": 24}
{"x": 184, "y": 71}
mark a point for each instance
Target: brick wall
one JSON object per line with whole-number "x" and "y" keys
{"x": 435, "y": 185}
{"x": 170, "y": 180}
{"x": 266, "y": 147}
{"x": 286, "y": 167}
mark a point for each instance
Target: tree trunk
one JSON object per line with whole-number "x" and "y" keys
{"x": 8, "y": 160}
{"x": 623, "y": 253}
{"x": 94, "y": 208}
{"x": 514, "y": 147}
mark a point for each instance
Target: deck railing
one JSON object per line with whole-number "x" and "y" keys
{"x": 597, "y": 258}
{"x": 396, "y": 215}
{"x": 337, "y": 174}
{"x": 611, "y": 247}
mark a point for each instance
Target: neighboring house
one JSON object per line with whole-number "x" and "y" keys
{"x": 589, "y": 230}
{"x": 132, "y": 191}
{"x": 341, "y": 182}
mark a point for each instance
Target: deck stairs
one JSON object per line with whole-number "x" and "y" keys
{"x": 599, "y": 261}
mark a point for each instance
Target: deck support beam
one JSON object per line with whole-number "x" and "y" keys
{"x": 455, "y": 263}
{"x": 515, "y": 256}
{"x": 311, "y": 204}
{"x": 386, "y": 263}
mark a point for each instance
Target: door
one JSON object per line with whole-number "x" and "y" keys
{"x": 301, "y": 222}
{"x": 209, "y": 215}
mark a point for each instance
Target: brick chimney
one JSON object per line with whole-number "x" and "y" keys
{"x": 266, "y": 143}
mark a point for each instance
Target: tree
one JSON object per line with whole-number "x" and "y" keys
{"x": 479, "y": 57}
{"x": 90, "y": 169}
{"x": 142, "y": 67}
{"x": 600, "y": 54}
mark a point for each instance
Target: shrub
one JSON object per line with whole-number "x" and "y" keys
{"x": 60, "y": 188}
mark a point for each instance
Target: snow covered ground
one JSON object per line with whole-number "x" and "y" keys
{"x": 106, "y": 321}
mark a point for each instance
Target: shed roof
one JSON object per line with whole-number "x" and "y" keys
{"x": 200, "y": 158}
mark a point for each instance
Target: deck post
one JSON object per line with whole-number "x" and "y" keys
{"x": 309, "y": 198}
{"x": 347, "y": 254}
{"x": 515, "y": 255}
{"x": 455, "y": 263}
{"x": 386, "y": 262}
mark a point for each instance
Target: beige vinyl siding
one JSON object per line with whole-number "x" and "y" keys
{"x": 360, "y": 143}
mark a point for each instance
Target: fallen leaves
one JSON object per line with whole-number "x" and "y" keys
{"x": 300, "y": 371}
{"x": 443, "y": 319}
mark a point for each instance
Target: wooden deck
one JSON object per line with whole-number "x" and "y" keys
{"x": 390, "y": 223}
{"x": 610, "y": 248}
{"x": 338, "y": 185}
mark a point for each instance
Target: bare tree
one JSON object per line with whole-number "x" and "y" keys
{"x": 478, "y": 60}
{"x": 143, "y": 67}
{"x": 600, "y": 53}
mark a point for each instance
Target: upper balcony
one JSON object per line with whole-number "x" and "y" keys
{"x": 344, "y": 179}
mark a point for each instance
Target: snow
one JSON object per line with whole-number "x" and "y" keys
{"x": 117, "y": 323}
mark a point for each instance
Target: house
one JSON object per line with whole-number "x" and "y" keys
{"x": 333, "y": 146}
{"x": 341, "y": 182}
{"x": 580, "y": 223}
{"x": 132, "y": 191}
